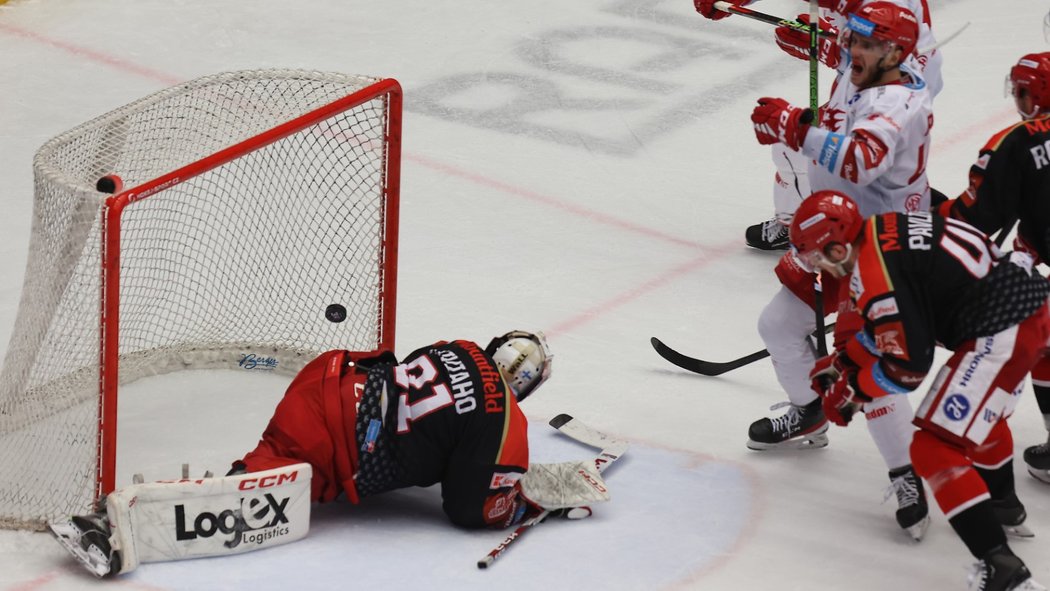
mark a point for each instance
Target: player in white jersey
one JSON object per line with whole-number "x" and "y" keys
{"x": 876, "y": 154}
{"x": 791, "y": 181}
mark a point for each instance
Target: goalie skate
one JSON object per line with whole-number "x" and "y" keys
{"x": 87, "y": 540}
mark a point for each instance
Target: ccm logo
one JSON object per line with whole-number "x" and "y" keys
{"x": 591, "y": 481}
{"x": 267, "y": 481}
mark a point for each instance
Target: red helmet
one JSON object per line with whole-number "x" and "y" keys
{"x": 1032, "y": 73}
{"x": 888, "y": 22}
{"x": 825, "y": 218}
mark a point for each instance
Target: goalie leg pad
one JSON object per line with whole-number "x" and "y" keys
{"x": 161, "y": 521}
{"x": 564, "y": 485}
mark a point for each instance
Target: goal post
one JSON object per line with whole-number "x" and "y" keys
{"x": 258, "y": 202}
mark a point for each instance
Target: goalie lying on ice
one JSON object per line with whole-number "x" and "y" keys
{"x": 354, "y": 425}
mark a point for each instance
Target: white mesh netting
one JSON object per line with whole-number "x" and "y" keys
{"x": 233, "y": 266}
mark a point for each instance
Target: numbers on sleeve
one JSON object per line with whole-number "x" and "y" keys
{"x": 419, "y": 375}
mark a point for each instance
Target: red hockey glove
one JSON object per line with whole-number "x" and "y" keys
{"x": 707, "y": 8}
{"x": 796, "y": 43}
{"x": 827, "y": 369}
{"x": 777, "y": 121}
{"x": 842, "y": 399}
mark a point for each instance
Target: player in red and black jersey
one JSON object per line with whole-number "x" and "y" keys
{"x": 448, "y": 414}
{"x": 1011, "y": 182}
{"x": 917, "y": 281}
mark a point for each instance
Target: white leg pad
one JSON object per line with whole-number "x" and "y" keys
{"x": 173, "y": 520}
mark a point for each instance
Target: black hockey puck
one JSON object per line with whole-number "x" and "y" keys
{"x": 110, "y": 183}
{"x": 335, "y": 313}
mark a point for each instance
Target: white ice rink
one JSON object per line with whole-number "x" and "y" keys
{"x": 582, "y": 167}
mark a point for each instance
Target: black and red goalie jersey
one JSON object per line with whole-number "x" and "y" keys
{"x": 368, "y": 424}
{"x": 1011, "y": 182}
{"x": 451, "y": 419}
{"x": 921, "y": 280}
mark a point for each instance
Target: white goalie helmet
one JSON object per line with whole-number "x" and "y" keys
{"x": 524, "y": 360}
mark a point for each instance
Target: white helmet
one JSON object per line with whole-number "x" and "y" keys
{"x": 523, "y": 358}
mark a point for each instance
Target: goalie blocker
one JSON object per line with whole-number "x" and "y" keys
{"x": 173, "y": 520}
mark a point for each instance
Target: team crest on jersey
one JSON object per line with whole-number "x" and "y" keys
{"x": 890, "y": 339}
{"x": 912, "y": 202}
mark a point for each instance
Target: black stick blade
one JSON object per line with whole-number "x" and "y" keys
{"x": 706, "y": 368}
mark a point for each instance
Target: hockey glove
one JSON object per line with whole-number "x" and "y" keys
{"x": 708, "y": 10}
{"x": 827, "y": 370}
{"x": 775, "y": 120}
{"x": 796, "y": 43}
{"x": 842, "y": 399}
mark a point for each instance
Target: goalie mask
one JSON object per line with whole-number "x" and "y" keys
{"x": 524, "y": 360}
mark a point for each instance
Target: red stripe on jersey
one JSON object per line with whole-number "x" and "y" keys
{"x": 514, "y": 448}
{"x": 995, "y": 140}
{"x": 875, "y": 279}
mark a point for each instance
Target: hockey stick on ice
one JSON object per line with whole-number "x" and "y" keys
{"x": 611, "y": 450}
{"x": 712, "y": 368}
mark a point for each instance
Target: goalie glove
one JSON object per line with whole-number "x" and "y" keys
{"x": 564, "y": 485}
{"x": 775, "y": 120}
{"x": 564, "y": 490}
{"x": 796, "y": 43}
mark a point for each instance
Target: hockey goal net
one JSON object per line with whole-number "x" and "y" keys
{"x": 254, "y": 201}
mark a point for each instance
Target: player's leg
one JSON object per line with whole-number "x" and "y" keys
{"x": 790, "y": 186}
{"x": 889, "y": 421}
{"x": 784, "y": 325}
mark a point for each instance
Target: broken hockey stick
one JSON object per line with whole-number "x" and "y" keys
{"x": 769, "y": 18}
{"x": 713, "y": 368}
{"x": 611, "y": 450}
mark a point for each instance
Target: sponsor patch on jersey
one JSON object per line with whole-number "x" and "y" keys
{"x": 982, "y": 162}
{"x": 829, "y": 152}
{"x": 371, "y": 435}
{"x": 856, "y": 285}
{"x": 882, "y": 308}
{"x": 504, "y": 479}
{"x": 956, "y": 407}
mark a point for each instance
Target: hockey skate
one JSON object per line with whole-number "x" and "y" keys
{"x": 86, "y": 537}
{"x": 913, "y": 514}
{"x": 801, "y": 427}
{"x": 1037, "y": 458}
{"x": 1000, "y": 570}
{"x": 1011, "y": 515}
{"x": 768, "y": 235}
